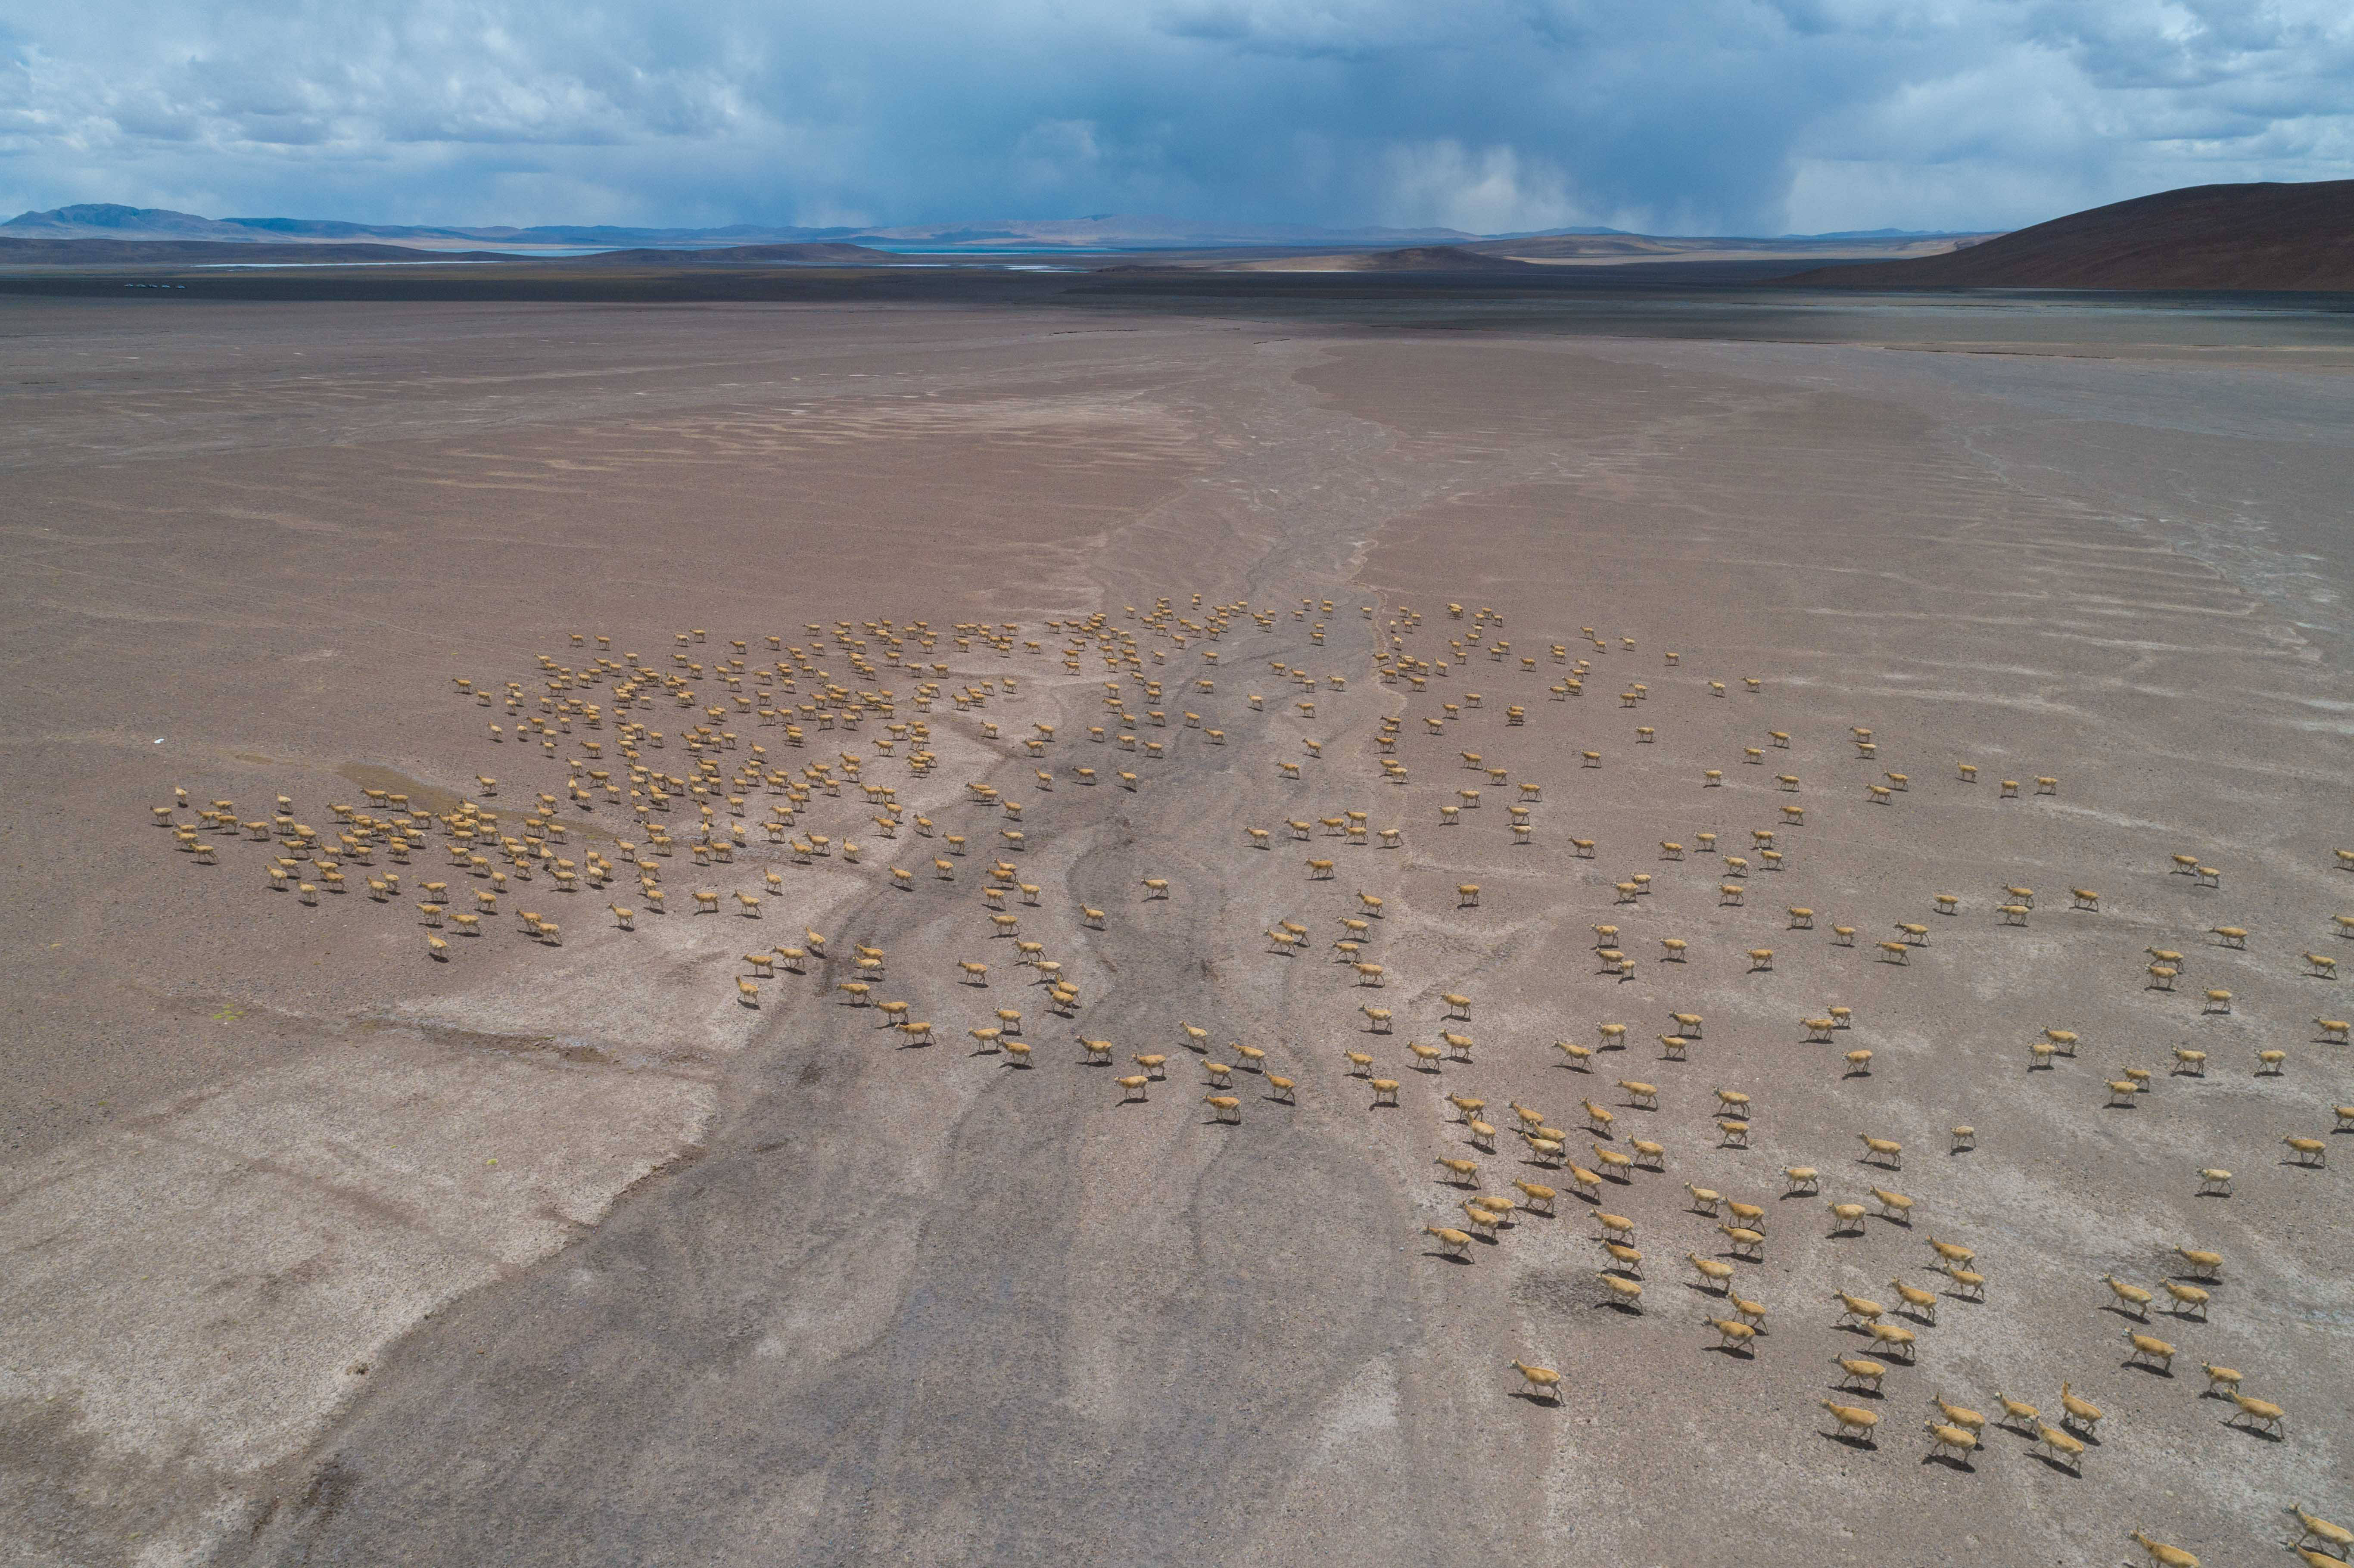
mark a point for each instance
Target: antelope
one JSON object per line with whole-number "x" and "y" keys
{"x": 1385, "y": 1091}
{"x": 1710, "y": 1270}
{"x": 1451, "y": 1242}
{"x": 2147, "y": 1350}
{"x": 1969, "y": 1421}
{"x": 1630, "y": 1293}
{"x": 2162, "y": 1554}
{"x": 1733, "y": 1334}
{"x": 1924, "y": 1303}
{"x": 1942, "y": 1437}
{"x": 1883, "y": 1149}
{"x": 2321, "y": 1530}
{"x": 1857, "y": 1369}
{"x": 2055, "y": 1442}
{"x": 1858, "y": 1310}
{"x": 1746, "y": 1241}
{"x": 1538, "y": 1382}
{"x": 2263, "y": 1412}
{"x": 1486, "y": 1221}
{"x": 1852, "y": 1420}
{"x": 1892, "y": 1338}
{"x": 2078, "y": 1412}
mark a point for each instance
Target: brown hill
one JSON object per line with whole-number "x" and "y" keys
{"x": 1434, "y": 259}
{"x": 1410, "y": 259}
{"x": 815, "y": 254}
{"x": 2254, "y": 236}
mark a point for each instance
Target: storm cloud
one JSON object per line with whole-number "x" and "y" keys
{"x": 1718, "y": 116}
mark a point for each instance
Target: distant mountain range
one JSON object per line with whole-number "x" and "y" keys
{"x": 102, "y": 221}
{"x": 1109, "y": 231}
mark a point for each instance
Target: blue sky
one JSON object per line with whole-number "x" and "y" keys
{"x": 1743, "y": 116}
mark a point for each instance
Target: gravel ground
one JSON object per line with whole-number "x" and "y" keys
{"x": 322, "y": 1251}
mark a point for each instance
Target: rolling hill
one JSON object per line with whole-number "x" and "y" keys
{"x": 2248, "y": 237}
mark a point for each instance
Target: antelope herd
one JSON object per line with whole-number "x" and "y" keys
{"x": 756, "y": 791}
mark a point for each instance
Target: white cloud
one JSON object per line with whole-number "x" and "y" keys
{"x": 1442, "y": 185}
{"x": 1480, "y": 114}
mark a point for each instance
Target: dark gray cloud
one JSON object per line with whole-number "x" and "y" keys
{"x": 1694, "y": 115}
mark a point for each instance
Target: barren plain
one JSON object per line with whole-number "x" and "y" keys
{"x": 322, "y": 1249}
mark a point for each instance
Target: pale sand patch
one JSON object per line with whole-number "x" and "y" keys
{"x": 201, "y": 1283}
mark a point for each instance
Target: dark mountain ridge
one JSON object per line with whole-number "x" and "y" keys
{"x": 2288, "y": 238}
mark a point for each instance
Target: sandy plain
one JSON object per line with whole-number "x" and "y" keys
{"x": 318, "y": 1251}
